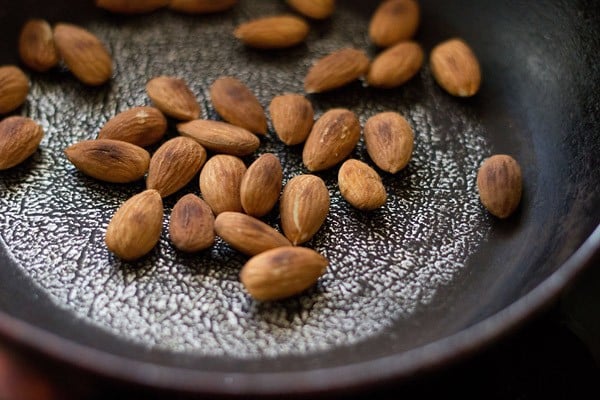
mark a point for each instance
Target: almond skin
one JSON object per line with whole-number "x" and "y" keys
{"x": 201, "y": 6}
{"x": 142, "y": 126}
{"x": 276, "y": 32}
{"x": 396, "y": 66}
{"x": 135, "y": 228}
{"x": 336, "y": 70}
{"x": 282, "y": 272}
{"x": 361, "y": 186}
{"x": 20, "y": 137}
{"x": 174, "y": 165}
{"x": 220, "y": 182}
{"x": 220, "y": 137}
{"x": 261, "y": 185}
{"x": 14, "y": 87}
{"x": 173, "y": 97}
{"x": 456, "y": 68}
{"x": 389, "y": 139}
{"x": 109, "y": 160}
{"x": 333, "y": 137}
{"x": 36, "y": 45}
{"x": 303, "y": 208}
{"x": 192, "y": 225}
{"x": 394, "y": 21}
{"x": 84, "y": 54}
{"x": 247, "y": 234}
{"x": 293, "y": 117}
{"x": 237, "y": 105}
{"x": 315, "y": 9}
{"x": 131, "y": 6}
{"x": 500, "y": 185}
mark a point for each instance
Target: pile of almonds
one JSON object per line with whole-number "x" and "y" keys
{"x": 236, "y": 196}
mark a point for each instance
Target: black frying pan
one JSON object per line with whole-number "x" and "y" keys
{"x": 413, "y": 286}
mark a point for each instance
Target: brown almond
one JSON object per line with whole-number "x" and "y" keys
{"x": 500, "y": 185}
{"x": 316, "y": 9}
{"x": 394, "y": 21}
{"x": 389, "y": 140}
{"x": 201, "y": 6}
{"x": 237, "y": 105}
{"x": 20, "y": 137}
{"x": 36, "y": 45}
{"x": 220, "y": 182}
{"x": 293, "y": 117}
{"x": 333, "y": 137}
{"x": 276, "y": 32}
{"x": 135, "y": 228}
{"x": 142, "y": 126}
{"x": 336, "y": 70}
{"x": 261, "y": 185}
{"x": 282, "y": 272}
{"x": 173, "y": 97}
{"x": 396, "y": 66}
{"x": 84, "y": 54}
{"x": 456, "y": 68}
{"x": 131, "y": 6}
{"x": 192, "y": 224}
{"x": 220, "y": 137}
{"x": 303, "y": 208}
{"x": 247, "y": 234}
{"x": 14, "y": 87}
{"x": 361, "y": 186}
{"x": 109, "y": 160}
{"x": 174, "y": 165}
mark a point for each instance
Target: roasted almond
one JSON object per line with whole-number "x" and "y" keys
{"x": 500, "y": 183}
{"x": 220, "y": 137}
{"x": 201, "y": 6}
{"x": 276, "y": 32}
{"x": 396, "y": 66}
{"x": 247, "y": 234}
{"x": 389, "y": 140}
{"x": 333, "y": 137}
{"x": 109, "y": 160}
{"x": 83, "y": 53}
{"x": 14, "y": 87}
{"x": 394, "y": 21}
{"x": 174, "y": 165}
{"x": 237, "y": 105}
{"x": 131, "y": 6}
{"x": 36, "y": 45}
{"x": 192, "y": 224}
{"x": 282, "y": 272}
{"x": 135, "y": 228}
{"x": 220, "y": 182}
{"x": 316, "y": 9}
{"x": 173, "y": 97}
{"x": 20, "y": 137}
{"x": 303, "y": 208}
{"x": 456, "y": 68}
{"x": 293, "y": 117}
{"x": 261, "y": 185}
{"x": 361, "y": 186}
{"x": 336, "y": 70}
{"x": 142, "y": 126}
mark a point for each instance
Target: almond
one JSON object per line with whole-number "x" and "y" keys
{"x": 220, "y": 182}
{"x": 499, "y": 181}
{"x": 131, "y": 6}
{"x": 316, "y": 9}
{"x": 20, "y": 137}
{"x": 237, "y": 105}
{"x": 142, "y": 126}
{"x": 282, "y": 272}
{"x": 201, "y": 6}
{"x": 361, "y": 186}
{"x": 261, "y": 185}
{"x": 456, "y": 68}
{"x": 109, "y": 160}
{"x": 173, "y": 97}
{"x": 336, "y": 70}
{"x": 174, "y": 165}
{"x": 36, "y": 45}
{"x": 394, "y": 21}
{"x": 293, "y": 117}
{"x": 389, "y": 140}
{"x": 247, "y": 234}
{"x": 396, "y": 66}
{"x": 220, "y": 137}
{"x": 333, "y": 137}
{"x": 276, "y": 32}
{"x": 304, "y": 207}
{"x": 84, "y": 54}
{"x": 192, "y": 224}
{"x": 14, "y": 87}
{"x": 135, "y": 228}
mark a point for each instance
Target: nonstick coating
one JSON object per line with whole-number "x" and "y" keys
{"x": 539, "y": 102}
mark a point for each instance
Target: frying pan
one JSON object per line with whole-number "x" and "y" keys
{"x": 428, "y": 278}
